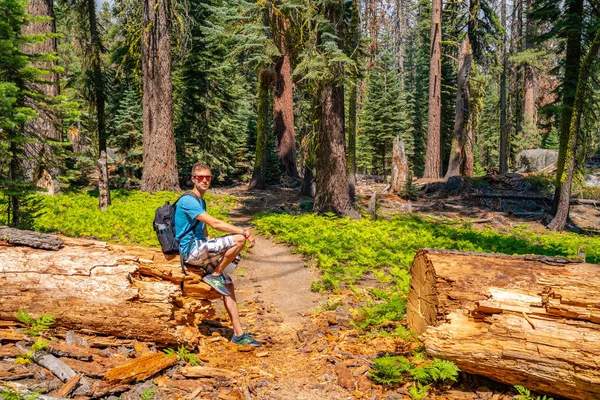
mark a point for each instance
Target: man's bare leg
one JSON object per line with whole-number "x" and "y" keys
{"x": 238, "y": 244}
{"x": 231, "y": 306}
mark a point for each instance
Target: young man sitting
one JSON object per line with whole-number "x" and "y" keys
{"x": 218, "y": 256}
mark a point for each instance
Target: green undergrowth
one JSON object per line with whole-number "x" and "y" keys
{"x": 396, "y": 370}
{"x": 347, "y": 251}
{"x": 127, "y": 220}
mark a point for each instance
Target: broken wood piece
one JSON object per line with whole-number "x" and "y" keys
{"x": 95, "y": 370}
{"x": 69, "y": 385}
{"x": 140, "y": 368}
{"x": 9, "y": 350}
{"x": 13, "y": 372}
{"x": 61, "y": 370}
{"x": 141, "y": 349}
{"x": 478, "y": 311}
{"x": 205, "y": 372}
{"x": 10, "y": 336}
{"x": 29, "y": 238}
{"x": 61, "y": 349}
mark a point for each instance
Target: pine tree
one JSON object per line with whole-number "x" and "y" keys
{"x": 17, "y": 73}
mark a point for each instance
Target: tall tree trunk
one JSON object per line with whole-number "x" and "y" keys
{"x": 283, "y": 106}
{"x": 160, "y": 162}
{"x": 568, "y": 153}
{"x": 14, "y": 212}
{"x": 503, "y": 127}
{"x": 332, "y": 182}
{"x": 38, "y": 155}
{"x": 433, "y": 161}
{"x": 100, "y": 102}
{"x": 258, "y": 180}
{"x": 352, "y": 138}
{"x": 332, "y": 193}
{"x": 572, "y": 61}
{"x": 459, "y": 150}
{"x": 529, "y": 112}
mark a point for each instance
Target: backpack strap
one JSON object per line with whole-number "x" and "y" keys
{"x": 183, "y": 269}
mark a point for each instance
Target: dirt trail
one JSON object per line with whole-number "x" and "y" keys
{"x": 278, "y": 307}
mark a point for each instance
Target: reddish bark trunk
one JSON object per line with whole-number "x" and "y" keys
{"x": 160, "y": 163}
{"x": 38, "y": 156}
{"x": 283, "y": 115}
{"x": 433, "y": 163}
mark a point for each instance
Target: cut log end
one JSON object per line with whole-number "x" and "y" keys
{"x": 422, "y": 298}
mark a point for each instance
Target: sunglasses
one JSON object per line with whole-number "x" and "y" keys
{"x": 201, "y": 178}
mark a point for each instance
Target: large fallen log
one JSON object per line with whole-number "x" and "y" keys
{"x": 99, "y": 288}
{"x": 530, "y": 321}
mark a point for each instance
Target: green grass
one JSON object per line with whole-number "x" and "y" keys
{"x": 347, "y": 250}
{"x": 127, "y": 220}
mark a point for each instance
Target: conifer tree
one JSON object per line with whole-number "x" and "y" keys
{"x": 18, "y": 71}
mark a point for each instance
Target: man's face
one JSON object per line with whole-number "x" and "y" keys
{"x": 201, "y": 179}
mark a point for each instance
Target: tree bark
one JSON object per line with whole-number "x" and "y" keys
{"x": 572, "y": 61}
{"x": 331, "y": 178}
{"x": 99, "y": 95}
{"x": 258, "y": 181}
{"x": 160, "y": 162}
{"x": 529, "y": 112}
{"x": 459, "y": 149}
{"x": 283, "y": 107}
{"x": 519, "y": 320}
{"x": 433, "y": 162}
{"x": 568, "y": 153}
{"x": 39, "y": 155}
{"x": 503, "y": 126}
{"x": 103, "y": 187}
{"x": 332, "y": 193}
{"x": 106, "y": 289}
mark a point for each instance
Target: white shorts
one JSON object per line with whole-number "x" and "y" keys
{"x": 208, "y": 253}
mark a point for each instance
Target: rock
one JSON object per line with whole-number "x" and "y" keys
{"x": 73, "y": 339}
{"x": 345, "y": 378}
{"x": 592, "y": 179}
{"x": 534, "y": 160}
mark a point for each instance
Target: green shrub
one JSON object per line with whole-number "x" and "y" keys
{"x": 127, "y": 220}
{"x": 36, "y": 325}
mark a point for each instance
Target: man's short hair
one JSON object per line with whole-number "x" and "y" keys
{"x": 199, "y": 166}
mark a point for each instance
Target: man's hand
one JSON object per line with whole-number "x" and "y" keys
{"x": 250, "y": 238}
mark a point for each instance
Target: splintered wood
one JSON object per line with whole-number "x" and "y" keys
{"x": 99, "y": 288}
{"x": 530, "y": 321}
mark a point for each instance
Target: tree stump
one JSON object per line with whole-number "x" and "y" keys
{"x": 107, "y": 289}
{"x": 531, "y": 320}
{"x": 399, "y": 167}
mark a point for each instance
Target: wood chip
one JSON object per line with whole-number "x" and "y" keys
{"x": 262, "y": 354}
{"x": 95, "y": 370}
{"x": 205, "y": 372}
{"x": 528, "y": 320}
{"x": 61, "y": 349}
{"x": 141, "y": 349}
{"x": 9, "y": 350}
{"x": 10, "y": 336}
{"x": 68, "y": 387}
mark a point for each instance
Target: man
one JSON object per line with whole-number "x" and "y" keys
{"x": 218, "y": 256}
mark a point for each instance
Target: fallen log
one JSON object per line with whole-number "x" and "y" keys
{"x": 530, "y": 321}
{"x": 105, "y": 289}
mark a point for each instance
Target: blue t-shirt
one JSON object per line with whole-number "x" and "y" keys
{"x": 186, "y": 211}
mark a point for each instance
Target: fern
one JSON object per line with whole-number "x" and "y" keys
{"x": 36, "y": 325}
{"x": 389, "y": 370}
{"x": 418, "y": 391}
{"x": 9, "y": 394}
{"x": 27, "y": 358}
{"x": 525, "y": 394}
{"x": 184, "y": 355}
{"x": 148, "y": 394}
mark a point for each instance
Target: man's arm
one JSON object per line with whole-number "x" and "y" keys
{"x": 223, "y": 226}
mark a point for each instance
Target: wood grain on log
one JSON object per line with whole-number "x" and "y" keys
{"x": 99, "y": 288}
{"x": 531, "y": 321}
